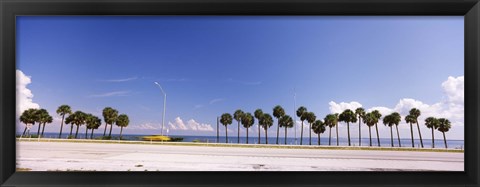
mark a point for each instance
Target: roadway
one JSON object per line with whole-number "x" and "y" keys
{"x": 67, "y": 156}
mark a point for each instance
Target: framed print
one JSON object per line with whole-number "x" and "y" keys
{"x": 303, "y": 93}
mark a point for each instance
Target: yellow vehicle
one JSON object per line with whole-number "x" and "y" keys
{"x": 156, "y": 138}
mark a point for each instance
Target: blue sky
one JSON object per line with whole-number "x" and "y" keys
{"x": 209, "y": 65}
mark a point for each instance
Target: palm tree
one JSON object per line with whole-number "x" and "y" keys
{"x": 287, "y": 122}
{"x": 78, "y": 119}
{"x": 28, "y": 117}
{"x": 122, "y": 121}
{"x": 410, "y": 119}
{"x": 88, "y": 123}
{"x": 377, "y": 115}
{"x": 258, "y": 114}
{"x": 395, "y": 118}
{"x": 310, "y": 119}
{"x": 49, "y": 119}
{"x": 238, "y": 117}
{"x": 69, "y": 120}
{"x": 278, "y": 112}
{"x": 247, "y": 121}
{"x": 416, "y": 113}
{"x": 444, "y": 126}
{"x": 336, "y": 125}
{"x": 301, "y": 111}
{"x": 387, "y": 121}
{"x": 348, "y": 116}
{"x": 41, "y": 117}
{"x": 369, "y": 120}
{"x": 331, "y": 121}
{"x": 63, "y": 110}
{"x": 266, "y": 122}
{"x": 110, "y": 116}
{"x": 432, "y": 123}
{"x": 92, "y": 122}
{"x": 360, "y": 112}
{"x": 318, "y": 128}
{"x": 225, "y": 120}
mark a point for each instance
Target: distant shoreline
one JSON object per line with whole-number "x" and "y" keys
{"x": 280, "y": 146}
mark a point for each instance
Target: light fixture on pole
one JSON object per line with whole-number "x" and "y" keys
{"x": 164, "y": 105}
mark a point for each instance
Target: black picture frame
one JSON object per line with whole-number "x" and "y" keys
{"x": 9, "y": 9}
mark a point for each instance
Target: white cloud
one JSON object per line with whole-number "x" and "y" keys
{"x": 191, "y": 125}
{"x": 452, "y": 107}
{"x": 339, "y": 108}
{"x": 381, "y": 109}
{"x": 110, "y": 94}
{"x": 177, "y": 124}
{"x": 24, "y": 95}
{"x": 197, "y": 106}
{"x": 121, "y": 80}
{"x": 216, "y": 100}
{"x": 454, "y": 88}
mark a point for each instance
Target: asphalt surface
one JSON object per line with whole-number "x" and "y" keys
{"x": 66, "y": 156}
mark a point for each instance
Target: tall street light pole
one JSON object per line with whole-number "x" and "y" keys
{"x": 164, "y": 105}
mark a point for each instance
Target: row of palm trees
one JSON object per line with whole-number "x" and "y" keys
{"x": 77, "y": 118}
{"x": 348, "y": 116}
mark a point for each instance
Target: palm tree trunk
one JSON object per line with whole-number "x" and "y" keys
{"x": 391, "y": 134}
{"x": 38, "y": 132}
{"x": 348, "y": 129}
{"x": 359, "y": 132}
{"x": 278, "y": 129}
{"x": 285, "y": 135}
{"x": 226, "y": 134}
{"x": 91, "y": 134}
{"x": 43, "y": 128}
{"x": 420, "y": 134}
{"x": 71, "y": 129}
{"x": 398, "y": 136}
{"x": 266, "y": 136}
{"x": 238, "y": 133}
{"x": 61, "y": 127}
{"x": 336, "y": 126}
{"x": 444, "y": 140}
{"x": 110, "y": 133}
{"x": 76, "y": 133}
{"x": 318, "y": 138}
{"x": 259, "y": 133}
{"x": 370, "y": 133}
{"x": 247, "y": 135}
{"x": 121, "y": 130}
{"x": 310, "y": 130}
{"x": 330, "y": 137}
{"x": 378, "y": 138}
{"x": 86, "y": 132}
{"x": 218, "y": 135}
{"x": 25, "y": 130}
{"x": 411, "y": 131}
{"x": 433, "y": 139}
{"x": 301, "y": 135}
{"x": 105, "y": 131}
